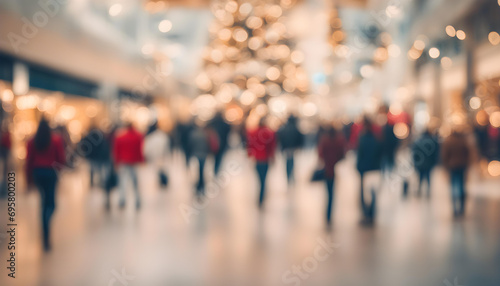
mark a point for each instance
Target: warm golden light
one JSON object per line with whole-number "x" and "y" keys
{"x": 494, "y": 168}
{"x": 338, "y": 35}
{"x": 247, "y": 97}
{"x": 419, "y": 44}
{"x": 240, "y": 35}
{"x": 494, "y": 38}
{"x": 289, "y": 85}
{"x": 297, "y": 57}
{"x": 450, "y": 31}
{"x": 434, "y": 53}
{"x": 115, "y": 9}
{"x": 446, "y": 63}
{"x": 255, "y": 43}
{"x": 165, "y": 26}
{"x": 225, "y": 34}
{"x": 461, "y": 35}
{"x": 482, "y": 118}
{"x": 7, "y": 95}
{"x": 495, "y": 119}
{"x": 254, "y": 22}
{"x": 394, "y": 50}
{"x": 367, "y": 71}
{"x": 401, "y": 130}
{"x": 380, "y": 54}
{"x": 414, "y": 54}
{"x": 475, "y": 102}
{"x": 273, "y": 73}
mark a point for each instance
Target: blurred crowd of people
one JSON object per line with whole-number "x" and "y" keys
{"x": 115, "y": 154}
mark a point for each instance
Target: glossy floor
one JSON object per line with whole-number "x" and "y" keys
{"x": 225, "y": 240}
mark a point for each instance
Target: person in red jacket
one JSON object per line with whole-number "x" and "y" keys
{"x": 261, "y": 145}
{"x": 5, "y": 147}
{"x": 45, "y": 156}
{"x": 331, "y": 149}
{"x": 127, "y": 154}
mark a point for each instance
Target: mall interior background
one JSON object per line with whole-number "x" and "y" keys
{"x": 85, "y": 62}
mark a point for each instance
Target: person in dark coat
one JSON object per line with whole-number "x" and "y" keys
{"x": 92, "y": 147}
{"x": 369, "y": 159}
{"x": 425, "y": 152}
{"x": 390, "y": 144}
{"x": 222, "y": 128}
{"x": 331, "y": 150}
{"x": 97, "y": 147}
{"x": 183, "y": 132}
{"x": 45, "y": 156}
{"x": 290, "y": 140}
{"x": 456, "y": 157}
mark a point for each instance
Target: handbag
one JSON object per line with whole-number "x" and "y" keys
{"x": 318, "y": 175}
{"x": 111, "y": 180}
{"x": 163, "y": 178}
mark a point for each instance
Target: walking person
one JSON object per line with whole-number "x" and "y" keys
{"x": 93, "y": 144}
{"x": 331, "y": 149}
{"x": 127, "y": 153}
{"x": 456, "y": 157}
{"x": 222, "y": 129}
{"x": 199, "y": 144}
{"x": 390, "y": 145}
{"x": 261, "y": 144}
{"x": 290, "y": 140}
{"x": 425, "y": 151}
{"x": 45, "y": 156}
{"x": 368, "y": 161}
{"x": 183, "y": 132}
{"x": 156, "y": 149}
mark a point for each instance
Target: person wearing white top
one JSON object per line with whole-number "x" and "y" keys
{"x": 156, "y": 148}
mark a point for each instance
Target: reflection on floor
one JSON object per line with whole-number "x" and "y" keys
{"x": 225, "y": 240}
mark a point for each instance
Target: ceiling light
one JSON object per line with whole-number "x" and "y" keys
{"x": 461, "y": 35}
{"x": 450, "y": 31}
{"x": 494, "y": 38}
{"x": 165, "y": 26}
{"x": 434, "y": 53}
{"x": 115, "y": 9}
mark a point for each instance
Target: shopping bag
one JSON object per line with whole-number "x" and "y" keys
{"x": 318, "y": 175}
{"x": 111, "y": 180}
{"x": 163, "y": 178}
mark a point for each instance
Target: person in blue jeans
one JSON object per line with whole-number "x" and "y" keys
{"x": 456, "y": 155}
{"x": 425, "y": 153}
